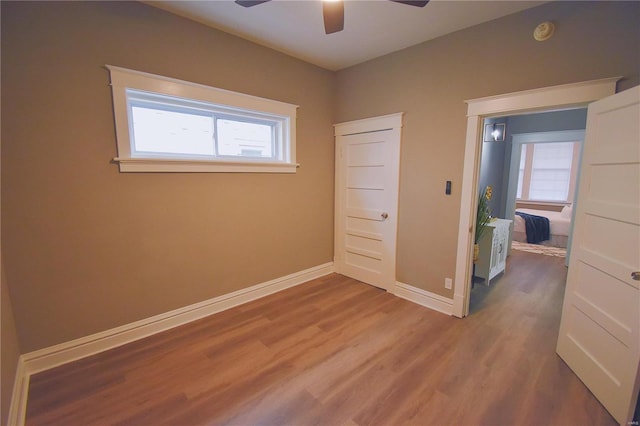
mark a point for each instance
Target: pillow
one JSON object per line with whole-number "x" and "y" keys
{"x": 567, "y": 212}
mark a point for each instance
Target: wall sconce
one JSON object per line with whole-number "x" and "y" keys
{"x": 494, "y": 132}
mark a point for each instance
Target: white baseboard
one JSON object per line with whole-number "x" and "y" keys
{"x": 424, "y": 298}
{"x": 53, "y": 356}
{"x": 18, "y": 407}
{"x": 458, "y": 306}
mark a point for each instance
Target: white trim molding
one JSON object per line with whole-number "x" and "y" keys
{"x": 573, "y": 95}
{"x": 18, "y": 406}
{"x": 201, "y": 166}
{"x": 562, "y": 96}
{"x": 53, "y": 356}
{"x": 424, "y": 298}
{"x": 383, "y": 122}
{"x": 130, "y": 87}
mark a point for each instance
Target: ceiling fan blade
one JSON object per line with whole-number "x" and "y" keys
{"x": 249, "y": 3}
{"x": 333, "y": 12}
{"x": 413, "y": 3}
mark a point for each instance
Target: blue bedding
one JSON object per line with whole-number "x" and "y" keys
{"x": 537, "y": 227}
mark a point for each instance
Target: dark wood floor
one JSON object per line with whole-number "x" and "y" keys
{"x": 336, "y": 351}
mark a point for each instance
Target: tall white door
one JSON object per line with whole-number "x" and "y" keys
{"x": 599, "y": 331}
{"x": 367, "y": 178}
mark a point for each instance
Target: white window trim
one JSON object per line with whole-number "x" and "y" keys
{"x": 122, "y": 79}
{"x": 528, "y": 171}
{"x": 518, "y": 140}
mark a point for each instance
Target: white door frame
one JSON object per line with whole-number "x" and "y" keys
{"x": 373, "y": 124}
{"x": 573, "y": 95}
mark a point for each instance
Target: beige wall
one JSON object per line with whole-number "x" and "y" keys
{"x": 10, "y": 350}
{"x": 87, "y": 248}
{"x": 430, "y": 82}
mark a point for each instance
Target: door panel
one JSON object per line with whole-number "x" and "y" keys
{"x": 367, "y": 168}
{"x": 617, "y": 122}
{"x": 607, "y": 236}
{"x": 608, "y": 183}
{"x": 371, "y": 245}
{"x": 365, "y": 228}
{"x": 365, "y": 199}
{"x": 369, "y": 152}
{"x": 371, "y": 177}
{"x": 612, "y": 308}
{"x": 600, "y": 326}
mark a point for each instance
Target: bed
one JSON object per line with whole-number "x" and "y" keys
{"x": 559, "y": 224}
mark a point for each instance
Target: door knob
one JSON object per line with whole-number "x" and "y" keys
{"x": 635, "y": 276}
{"x": 386, "y": 215}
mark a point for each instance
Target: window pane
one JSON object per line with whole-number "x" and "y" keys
{"x": 549, "y": 185}
{"x": 243, "y": 139}
{"x": 551, "y": 171}
{"x": 162, "y": 131}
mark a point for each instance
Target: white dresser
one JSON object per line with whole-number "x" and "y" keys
{"x": 493, "y": 250}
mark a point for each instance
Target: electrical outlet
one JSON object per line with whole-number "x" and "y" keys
{"x": 448, "y": 283}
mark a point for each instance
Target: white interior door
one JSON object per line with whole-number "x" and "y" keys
{"x": 367, "y": 178}
{"x": 599, "y": 330}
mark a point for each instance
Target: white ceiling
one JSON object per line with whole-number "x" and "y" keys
{"x": 372, "y": 27}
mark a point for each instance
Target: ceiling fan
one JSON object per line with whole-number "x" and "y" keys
{"x": 333, "y": 11}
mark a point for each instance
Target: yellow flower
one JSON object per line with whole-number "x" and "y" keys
{"x": 489, "y": 192}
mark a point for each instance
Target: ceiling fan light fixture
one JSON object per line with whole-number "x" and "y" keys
{"x": 412, "y": 3}
{"x": 333, "y": 13}
{"x": 250, "y": 3}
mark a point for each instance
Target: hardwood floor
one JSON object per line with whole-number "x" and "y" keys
{"x": 336, "y": 351}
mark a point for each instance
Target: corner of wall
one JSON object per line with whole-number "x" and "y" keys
{"x": 10, "y": 371}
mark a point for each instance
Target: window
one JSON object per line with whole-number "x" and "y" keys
{"x": 169, "y": 125}
{"x": 547, "y": 171}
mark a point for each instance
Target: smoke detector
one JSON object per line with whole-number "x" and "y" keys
{"x": 544, "y": 31}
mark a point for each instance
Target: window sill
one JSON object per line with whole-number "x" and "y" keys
{"x": 552, "y": 204}
{"x": 200, "y": 166}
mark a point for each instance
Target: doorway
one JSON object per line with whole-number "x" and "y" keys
{"x": 610, "y": 156}
{"x": 532, "y": 170}
{"x": 556, "y": 97}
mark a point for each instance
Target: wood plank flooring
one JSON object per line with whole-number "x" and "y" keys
{"x": 336, "y": 351}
